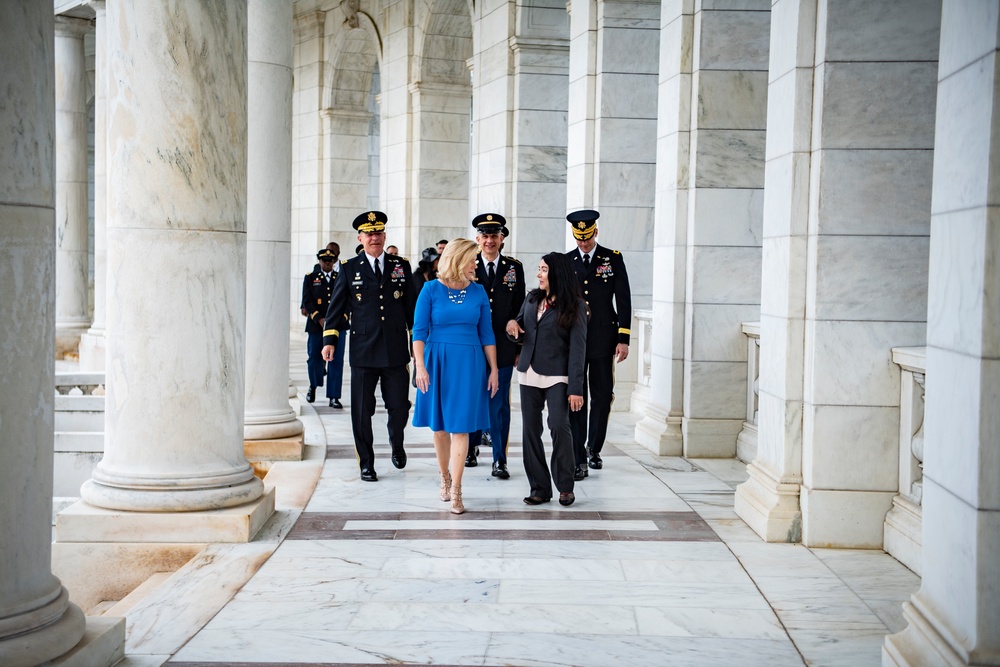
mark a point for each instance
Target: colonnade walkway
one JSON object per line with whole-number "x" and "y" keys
{"x": 650, "y": 566}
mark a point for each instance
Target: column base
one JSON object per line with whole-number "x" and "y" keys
{"x": 769, "y": 507}
{"x": 68, "y": 335}
{"x": 47, "y": 642}
{"x": 710, "y": 438}
{"x": 843, "y": 519}
{"x": 93, "y": 351}
{"x": 902, "y": 533}
{"x": 271, "y": 427}
{"x": 103, "y": 645}
{"x": 746, "y": 443}
{"x": 919, "y": 644}
{"x": 659, "y": 432}
{"x": 141, "y": 495}
{"x": 82, "y": 522}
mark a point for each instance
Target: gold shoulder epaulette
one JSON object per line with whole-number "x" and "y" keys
{"x": 617, "y": 252}
{"x": 405, "y": 259}
{"x": 513, "y": 259}
{"x": 343, "y": 261}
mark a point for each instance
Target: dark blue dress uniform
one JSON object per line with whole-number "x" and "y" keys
{"x": 316, "y": 291}
{"x": 506, "y": 293}
{"x": 604, "y": 286}
{"x": 379, "y": 315}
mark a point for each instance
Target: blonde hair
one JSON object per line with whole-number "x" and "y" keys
{"x": 456, "y": 255}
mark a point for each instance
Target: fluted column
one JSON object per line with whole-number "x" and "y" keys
{"x": 176, "y": 309}
{"x": 72, "y": 317}
{"x": 267, "y": 414}
{"x": 37, "y": 621}
{"x": 92, "y": 343}
{"x": 954, "y": 618}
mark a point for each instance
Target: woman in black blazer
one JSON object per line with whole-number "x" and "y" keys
{"x": 553, "y": 321}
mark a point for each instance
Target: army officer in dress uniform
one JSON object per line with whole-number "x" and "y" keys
{"x": 604, "y": 286}
{"x": 316, "y": 290}
{"x": 374, "y": 299}
{"x": 503, "y": 278}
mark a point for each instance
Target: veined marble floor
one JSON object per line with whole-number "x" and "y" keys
{"x": 650, "y": 567}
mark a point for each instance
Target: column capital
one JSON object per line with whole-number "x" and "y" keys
{"x": 73, "y": 28}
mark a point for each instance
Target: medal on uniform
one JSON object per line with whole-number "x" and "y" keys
{"x": 396, "y": 294}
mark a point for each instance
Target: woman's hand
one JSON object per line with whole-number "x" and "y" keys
{"x": 493, "y": 384}
{"x": 575, "y": 403}
{"x": 514, "y": 329}
{"x": 422, "y": 379}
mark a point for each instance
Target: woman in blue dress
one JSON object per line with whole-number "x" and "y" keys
{"x": 455, "y": 356}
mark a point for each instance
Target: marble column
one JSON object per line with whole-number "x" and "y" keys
{"x": 954, "y": 617}
{"x": 92, "y": 343}
{"x": 345, "y": 176}
{"x": 72, "y": 316}
{"x": 176, "y": 308}
{"x": 37, "y": 621}
{"x": 267, "y": 414}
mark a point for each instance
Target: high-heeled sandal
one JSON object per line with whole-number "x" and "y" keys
{"x": 445, "y": 487}
{"x": 456, "y": 500}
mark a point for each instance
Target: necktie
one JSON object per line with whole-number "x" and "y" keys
{"x": 586, "y": 261}
{"x": 378, "y": 271}
{"x": 492, "y": 274}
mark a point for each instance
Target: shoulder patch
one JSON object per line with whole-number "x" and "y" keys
{"x": 616, "y": 252}
{"x": 343, "y": 261}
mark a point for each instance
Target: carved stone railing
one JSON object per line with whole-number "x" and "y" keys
{"x": 746, "y": 441}
{"x": 78, "y": 442}
{"x": 902, "y": 533}
{"x": 642, "y": 322}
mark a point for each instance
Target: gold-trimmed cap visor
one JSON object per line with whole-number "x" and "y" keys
{"x": 370, "y": 221}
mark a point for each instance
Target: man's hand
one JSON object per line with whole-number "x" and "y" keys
{"x": 322, "y": 320}
{"x": 328, "y": 353}
{"x": 304, "y": 311}
{"x": 621, "y": 352}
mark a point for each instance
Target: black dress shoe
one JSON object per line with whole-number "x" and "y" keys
{"x": 368, "y": 475}
{"x": 580, "y": 472}
{"x": 566, "y": 499}
{"x": 311, "y": 395}
{"x": 500, "y": 470}
{"x": 470, "y": 459}
{"x": 596, "y": 462}
{"x": 399, "y": 460}
{"x": 535, "y": 500}
{"x": 335, "y": 403}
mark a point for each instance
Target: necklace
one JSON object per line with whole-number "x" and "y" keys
{"x": 456, "y": 296}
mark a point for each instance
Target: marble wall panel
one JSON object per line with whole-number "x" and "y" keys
{"x": 492, "y": 166}
{"x": 875, "y": 192}
{"x": 888, "y": 30}
{"x": 850, "y": 363}
{"x": 639, "y": 14}
{"x": 967, "y": 34}
{"x": 786, "y": 197}
{"x": 968, "y": 468}
{"x": 724, "y": 274}
{"x": 630, "y": 49}
{"x": 781, "y": 362}
{"x": 491, "y": 130}
{"x": 715, "y": 331}
{"x": 779, "y": 435}
{"x": 960, "y": 181}
{"x": 963, "y": 267}
{"x": 732, "y": 40}
{"x": 789, "y": 113}
{"x": 443, "y": 184}
{"x": 626, "y": 184}
{"x": 874, "y": 278}
{"x": 672, "y": 161}
{"x": 715, "y": 390}
{"x": 627, "y": 95}
{"x": 844, "y": 519}
{"x": 440, "y": 155}
{"x": 627, "y": 140}
{"x": 493, "y": 61}
{"x": 552, "y": 59}
{"x": 727, "y": 217}
{"x": 541, "y": 92}
{"x": 675, "y": 98}
{"x": 676, "y": 39}
{"x": 725, "y": 5}
{"x": 793, "y": 37}
{"x": 731, "y": 99}
{"x": 541, "y": 200}
{"x": 541, "y": 164}
{"x": 851, "y": 447}
{"x": 540, "y": 128}
{"x": 728, "y": 158}
{"x": 875, "y": 105}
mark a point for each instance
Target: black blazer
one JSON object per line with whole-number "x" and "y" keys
{"x": 379, "y": 315}
{"x": 316, "y": 293}
{"x": 506, "y": 298}
{"x": 606, "y": 290}
{"x": 552, "y": 350}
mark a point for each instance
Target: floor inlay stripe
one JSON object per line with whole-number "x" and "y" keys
{"x": 620, "y": 526}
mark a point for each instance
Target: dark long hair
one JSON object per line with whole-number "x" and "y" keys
{"x": 564, "y": 289}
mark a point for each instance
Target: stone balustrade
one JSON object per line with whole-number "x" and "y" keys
{"x": 746, "y": 441}
{"x": 642, "y": 322}
{"x": 902, "y": 531}
{"x": 78, "y": 442}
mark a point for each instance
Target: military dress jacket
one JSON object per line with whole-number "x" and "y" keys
{"x": 506, "y": 295}
{"x": 606, "y": 290}
{"x": 316, "y": 292}
{"x": 378, "y": 315}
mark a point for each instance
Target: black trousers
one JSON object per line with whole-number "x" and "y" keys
{"x": 533, "y": 400}
{"x": 599, "y": 375}
{"x": 395, "y": 394}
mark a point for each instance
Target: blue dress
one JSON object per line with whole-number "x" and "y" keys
{"x": 454, "y": 332}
